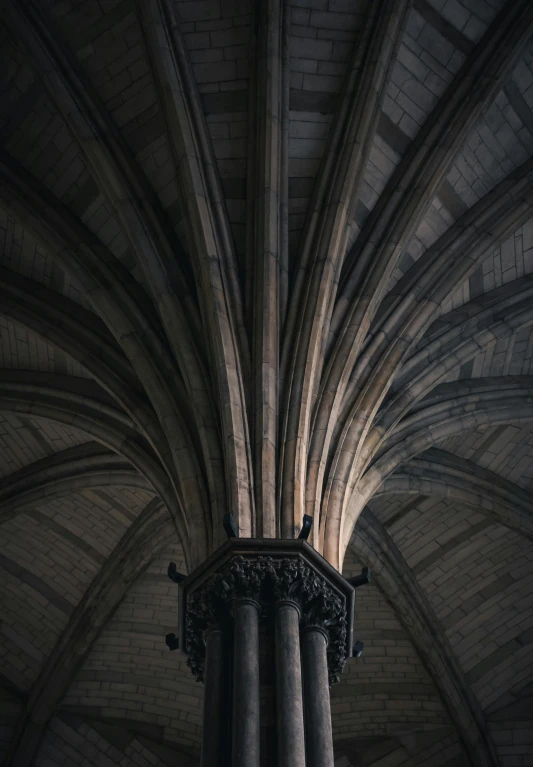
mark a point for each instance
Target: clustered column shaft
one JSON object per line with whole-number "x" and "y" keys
{"x": 246, "y": 722}
{"x": 305, "y": 616}
{"x": 298, "y": 746}
{"x": 289, "y": 704}
{"x": 319, "y": 737}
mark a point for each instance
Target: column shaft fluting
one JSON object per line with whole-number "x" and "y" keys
{"x": 246, "y": 719}
{"x": 291, "y": 741}
{"x": 318, "y": 733}
{"x": 214, "y": 740}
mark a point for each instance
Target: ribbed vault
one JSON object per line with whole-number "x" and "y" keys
{"x": 267, "y": 258}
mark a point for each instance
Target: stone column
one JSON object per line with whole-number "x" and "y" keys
{"x": 246, "y": 722}
{"x": 289, "y": 704}
{"x": 270, "y": 588}
{"x": 214, "y": 741}
{"x": 318, "y": 733}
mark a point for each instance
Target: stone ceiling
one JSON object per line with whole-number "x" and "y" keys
{"x": 237, "y": 236}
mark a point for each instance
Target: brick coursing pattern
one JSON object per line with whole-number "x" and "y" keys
{"x": 500, "y": 142}
{"x": 69, "y": 742}
{"x": 23, "y": 349}
{"x": 24, "y": 440}
{"x": 10, "y": 709}
{"x": 130, "y": 674}
{"x": 479, "y": 578}
{"x": 320, "y": 48}
{"x": 388, "y": 688}
{"x": 505, "y": 449}
{"x": 417, "y": 749}
{"x": 45, "y": 574}
{"x": 514, "y": 742}
{"x": 20, "y": 253}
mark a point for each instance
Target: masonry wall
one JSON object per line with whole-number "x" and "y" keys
{"x": 131, "y": 676}
{"x": 387, "y": 690}
{"x": 72, "y": 742}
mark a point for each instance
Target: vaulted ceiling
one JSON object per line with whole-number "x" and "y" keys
{"x": 270, "y": 258}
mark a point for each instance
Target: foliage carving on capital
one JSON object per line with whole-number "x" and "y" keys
{"x": 266, "y": 580}
{"x": 324, "y": 609}
{"x": 242, "y": 579}
{"x": 288, "y": 578}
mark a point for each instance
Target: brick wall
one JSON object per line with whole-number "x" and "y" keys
{"x": 110, "y": 49}
{"x": 131, "y": 675}
{"x": 479, "y": 579}
{"x": 387, "y": 690}
{"x": 218, "y": 34}
{"x": 20, "y": 253}
{"x": 10, "y": 709}
{"x": 49, "y": 556}
{"x": 71, "y": 742}
{"x": 418, "y": 748}
{"x": 320, "y": 48}
{"x": 500, "y": 142}
{"x": 514, "y": 742}
{"x": 507, "y": 450}
{"x": 22, "y": 349}
{"x": 25, "y": 440}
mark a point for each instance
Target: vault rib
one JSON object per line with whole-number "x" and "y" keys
{"x": 215, "y": 266}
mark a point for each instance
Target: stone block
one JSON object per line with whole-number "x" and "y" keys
{"x": 215, "y": 72}
{"x": 228, "y": 102}
{"x": 322, "y": 83}
{"x": 312, "y": 101}
{"x": 304, "y": 48}
{"x": 235, "y": 8}
{"x": 230, "y": 37}
{"x": 440, "y": 48}
{"x": 299, "y": 30}
{"x": 332, "y": 20}
{"x": 198, "y": 10}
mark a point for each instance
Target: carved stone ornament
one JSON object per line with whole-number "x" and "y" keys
{"x": 266, "y": 580}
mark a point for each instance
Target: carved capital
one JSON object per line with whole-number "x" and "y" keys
{"x": 242, "y": 578}
{"x": 266, "y": 580}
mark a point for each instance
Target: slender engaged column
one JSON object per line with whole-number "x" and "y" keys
{"x": 213, "y": 740}
{"x": 318, "y": 733}
{"x": 246, "y": 724}
{"x": 291, "y": 742}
